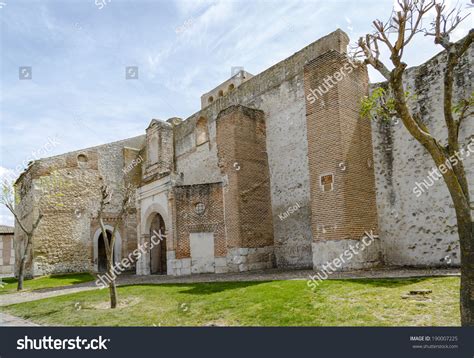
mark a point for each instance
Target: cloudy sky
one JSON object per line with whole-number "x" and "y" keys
{"x": 76, "y": 94}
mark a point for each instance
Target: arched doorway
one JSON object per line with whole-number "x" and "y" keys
{"x": 158, "y": 246}
{"x": 99, "y": 255}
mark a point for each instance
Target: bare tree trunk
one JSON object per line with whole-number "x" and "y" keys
{"x": 21, "y": 270}
{"x": 113, "y": 294}
{"x": 466, "y": 239}
{"x": 21, "y": 273}
{"x": 466, "y": 242}
{"x": 110, "y": 243}
{"x": 112, "y": 286}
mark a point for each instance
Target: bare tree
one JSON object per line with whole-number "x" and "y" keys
{"x": 109, "y": 243}
{"x": 406, "y": 22}
{"x": 8, "y": 199}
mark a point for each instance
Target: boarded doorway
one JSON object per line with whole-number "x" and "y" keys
{"x": 158, "y": 246}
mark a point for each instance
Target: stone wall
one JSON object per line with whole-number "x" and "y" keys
{"x": 225, "y": 87}
{"x": 159, "y": 151}
{"x": 66, "y": 190}
{"x": 420, "y": 230}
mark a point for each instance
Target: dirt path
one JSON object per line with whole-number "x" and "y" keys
{"x": 9, "y": 320}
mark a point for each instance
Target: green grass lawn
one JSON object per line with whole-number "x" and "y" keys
{"x": 9, "y": 284}
{"x": 270, "y": 303}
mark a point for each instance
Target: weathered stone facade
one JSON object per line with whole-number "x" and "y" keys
{"x": 259, "y": 177}
{"x": 66, "y": 189}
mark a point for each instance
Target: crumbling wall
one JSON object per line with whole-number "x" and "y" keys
{"x": 66, "y": 189}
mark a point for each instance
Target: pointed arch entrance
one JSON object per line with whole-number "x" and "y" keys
{"x": 100, "y": 258}
{"x": 158, "y": 245}
{"x": 101, "y": 254}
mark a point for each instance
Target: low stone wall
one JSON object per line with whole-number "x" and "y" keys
{"x": 342, "y": 255}
{"x": 237, "y": 260}
{"x": 250, "y": 259}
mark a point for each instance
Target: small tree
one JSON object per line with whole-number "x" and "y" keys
{"x": 8, "y": 199}
{"x": 403, "y": 25}
{"x": 105, "y": 199}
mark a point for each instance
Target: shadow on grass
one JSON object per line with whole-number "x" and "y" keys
{"x": 386, "y": 282}
{"x": 74, "y": 278}
{"x": 48, "y": 283}
{"x": 215, "y": 287}
{"x": 10, "y": 280}
{"x": 202, "y": 288}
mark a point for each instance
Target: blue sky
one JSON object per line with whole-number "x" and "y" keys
{"x": 78, "y": 50}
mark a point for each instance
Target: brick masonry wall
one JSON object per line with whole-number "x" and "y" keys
{"x": 243, "y": 160}
{"x": 189, "y": 220}
{"x": 339, "y": 149}
{"x": 339, "y": 143}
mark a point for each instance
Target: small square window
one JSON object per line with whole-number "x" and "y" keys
{"x": 326, "y": 182}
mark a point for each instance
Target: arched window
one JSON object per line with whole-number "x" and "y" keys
{"x": 82, "y": 160}
{"x": 202, "y": 135}
{"x": 221, "y": 93}
{"x": 231, "y": 87}
{"x": 210, "y": 99}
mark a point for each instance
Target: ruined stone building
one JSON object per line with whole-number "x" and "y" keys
{"x": 263, "y": 175}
